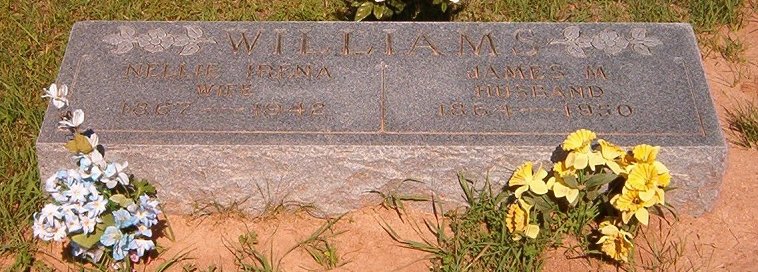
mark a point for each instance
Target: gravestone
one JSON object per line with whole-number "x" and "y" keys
{"x": 258, "y": 113}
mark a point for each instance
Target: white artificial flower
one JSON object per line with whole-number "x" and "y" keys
{"x": 379, "y": 1}
{"x": 77, "y": 192}
{"x": 97, "y": 158}
{"x": 51, "y": 184}
{"x": 114, "y": 174}
{"x": 93, "y": 140}
{"x": 41, "y": 230}
{"x": 50, "y": 212}
{"x": 72, "y": 223}
{"x": 96, "y": 206}
{"x": 454, "y": 1}
{"x": 59, "y": 231}
{"x": 88, "y": 223}
{"x": 76, "y": 120}
{"x": 58, "y": 95}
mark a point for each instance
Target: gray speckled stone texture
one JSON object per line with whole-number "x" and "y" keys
{"x": 323, "y": 112}
{"x": 337, "y": 179}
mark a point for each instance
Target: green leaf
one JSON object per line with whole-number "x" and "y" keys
{"x": 571, "y": 182}
{"x": 466, "y": 189}
{"x": 600, "y": 179}
{"x": 528, "y": 199}
{"x": 388, "y": 12}
{"x": 89, "y": 240}
{"x": 379, "y": 11}
{"x": 144, "y": 187}
{"x": 398, "y": 5}
{"x": 122, "y": 200}
{"x": 443, "y": 7}
{"x": 79, "y": 144}
{"x": 540, "y": 203}
{"x": 591, "y": 195}
{"x": 364, "y": 10}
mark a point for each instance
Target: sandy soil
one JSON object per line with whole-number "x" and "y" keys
{"x": 725, "y": 239}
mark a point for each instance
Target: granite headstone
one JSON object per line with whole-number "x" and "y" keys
{"x": 323, "y": 112}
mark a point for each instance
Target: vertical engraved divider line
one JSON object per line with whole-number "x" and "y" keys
{"x": 692, "y": 95}
{"x": 77, "y": 70}
{"x": 382, "y": 98}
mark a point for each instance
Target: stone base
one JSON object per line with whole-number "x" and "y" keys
{"x": 338, "y": 179}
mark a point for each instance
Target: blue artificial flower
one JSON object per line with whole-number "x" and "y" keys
{"x": 114, "y": 174}
{"x": 144, "y": 230}
{"x": 124, "y": 219}
{"x": 76, "y": 250}
{"x": 121, "y": 247}
{"x": 53, "y": 186}
{"x": 95, "y": 173}
{"x": 141, "y": 245}
{"x": 84, "y": 164}
{"x": 111, "y": 236}
{"x": 71, "y": 220}
{"x": 146, "y": 212}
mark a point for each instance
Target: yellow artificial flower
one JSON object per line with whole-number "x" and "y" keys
{"x": 579, "y": 147}
{"x": 558, "y": 184}
{"x": 562, "y": 169}
{"x": 560, "y": 189}
{"x": 649, "y": 181}
{"x": 630, "y": 204}
{"x": 612, "y": 156}
{"x": 645, "y": 153}
{"x": 527, "y": 180}
{"x": 580, "y": 140}
{"x": 580, "y": 160}
{"x": 517, "y": 221}
{"x": 616, "y": 242}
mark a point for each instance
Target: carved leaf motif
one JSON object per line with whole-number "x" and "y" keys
{"x": 194, "y": 32}
{"x": 190, "y": 49}
{"x": 642, "y": 49}
{"x": 584, "y": 43}
{"x": 575, "y": 51}
{"x": 122, "y": 48}
{"x": 571, "y": 32}
{"x": 651, "y": 42}
{"x": 181, "y": 40}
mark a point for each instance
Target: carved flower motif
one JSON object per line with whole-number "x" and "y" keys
{"x": 610, "y": 42}
{"x": 155, "y": 40}
{"x": 574, "y": 42}
{"x": 641, "y": 43}
{"x": 124, "y": 40}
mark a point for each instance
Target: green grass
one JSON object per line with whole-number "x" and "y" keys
{"x": 743, "y": 120}
{"x": 477, "y": 239}
{"x": 319, "y": 245}
{"x": 35, "y": 35}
